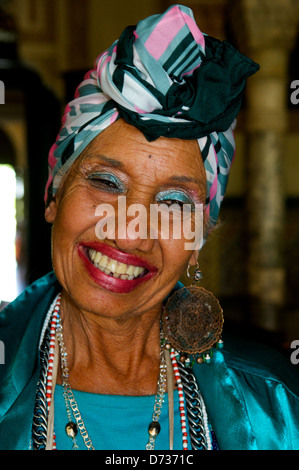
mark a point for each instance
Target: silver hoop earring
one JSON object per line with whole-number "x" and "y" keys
{"x": 197, "y": 275}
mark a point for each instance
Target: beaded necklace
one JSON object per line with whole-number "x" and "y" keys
{"x": 200, "y": 432}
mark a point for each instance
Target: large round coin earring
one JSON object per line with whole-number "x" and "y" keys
{"x": 192, "y": 320}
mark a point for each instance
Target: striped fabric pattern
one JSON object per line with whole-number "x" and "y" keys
{"x": 169, "y": 79}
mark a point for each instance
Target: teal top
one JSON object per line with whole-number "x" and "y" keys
{"x": 116, "y": 422}
{"x": 251, "y": 393}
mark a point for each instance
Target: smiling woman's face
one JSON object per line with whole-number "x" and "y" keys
{"x": 123, "y": 276}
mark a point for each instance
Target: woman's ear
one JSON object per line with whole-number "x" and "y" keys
{"x": 51, "y": 212}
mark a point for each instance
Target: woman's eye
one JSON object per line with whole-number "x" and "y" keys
{"x": 173, "y": 202}
{"x": 106, "y": 182}
{"x": 177, "y": 198}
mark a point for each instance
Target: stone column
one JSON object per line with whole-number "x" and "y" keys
{"x": 265, "y": 31}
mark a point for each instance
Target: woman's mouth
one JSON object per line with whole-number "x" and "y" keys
{"x": 112, "y": 269}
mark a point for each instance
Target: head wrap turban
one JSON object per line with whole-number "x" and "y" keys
{"x": 167, "y": 78}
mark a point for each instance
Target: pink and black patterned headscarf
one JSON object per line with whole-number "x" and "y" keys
{"x": 167, "y": 78}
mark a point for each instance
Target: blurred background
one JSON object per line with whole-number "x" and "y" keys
{"x": 251, "y": 262}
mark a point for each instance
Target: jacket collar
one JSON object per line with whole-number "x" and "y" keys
{"x": 21, "y": 324}
{"x": 224, "y": 403}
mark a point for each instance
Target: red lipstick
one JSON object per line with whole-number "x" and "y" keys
{"x": 111, "y": 283}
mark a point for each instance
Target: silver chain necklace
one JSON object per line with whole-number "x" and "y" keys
{"x": 70, "y": 402}
{"x": 194, "y": 403}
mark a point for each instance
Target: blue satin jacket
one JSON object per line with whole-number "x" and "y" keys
{"x": 251, "y": 392}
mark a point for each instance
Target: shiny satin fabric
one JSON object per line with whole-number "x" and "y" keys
{"x": 250, "y": 406}
{"x": 251, "y": 393}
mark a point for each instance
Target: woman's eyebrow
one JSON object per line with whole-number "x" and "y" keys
{"x": 187, "y": 179}
{"x": 108, "y": 160}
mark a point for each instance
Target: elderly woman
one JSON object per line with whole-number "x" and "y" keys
{"x": 111, "y": 351}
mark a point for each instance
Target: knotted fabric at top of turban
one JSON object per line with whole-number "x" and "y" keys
{"x": 166, "y": 78}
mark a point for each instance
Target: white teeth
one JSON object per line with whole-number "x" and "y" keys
{"x": 104, "y": 261}
{"x": 130, "y": 270}
{"x": 121, "y": 268}
{"x": 112, "y": 267}
{"x": 137, "y": 271}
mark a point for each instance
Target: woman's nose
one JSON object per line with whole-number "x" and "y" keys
{"x": 133, "y": 231}
{"x": 128, "y": 225}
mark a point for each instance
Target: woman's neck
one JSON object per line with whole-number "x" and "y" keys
{"x": 117, "y": 356}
